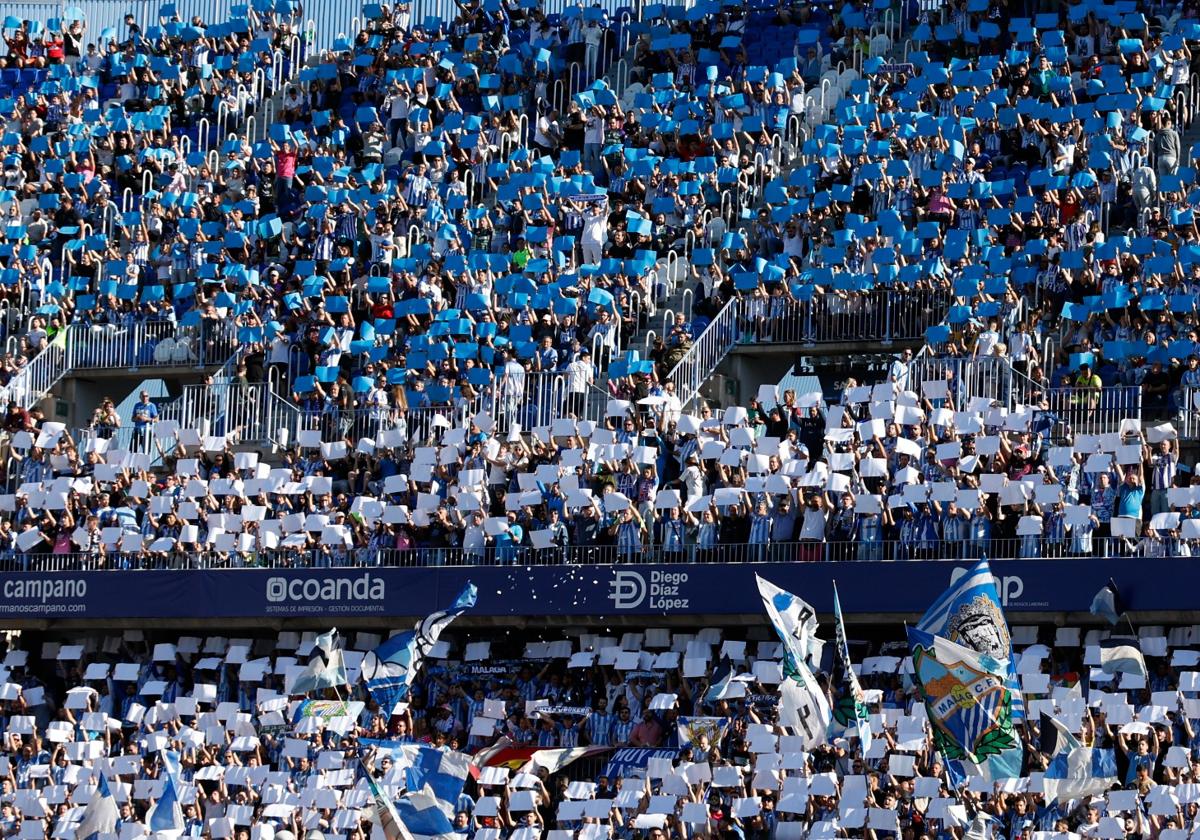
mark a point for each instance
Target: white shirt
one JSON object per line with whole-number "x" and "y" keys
{"x": 987, "y": 340}
{"x": 594, "y": 132}
{"x": 814, "y": 525}
{"x": 579, "y": 376}
{"x": 595, "y": 229}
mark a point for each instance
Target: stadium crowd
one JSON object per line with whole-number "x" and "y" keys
{"x": 651, "y": 735}
{"x": 442, "y": 242}
{"x": 436, "y": 212}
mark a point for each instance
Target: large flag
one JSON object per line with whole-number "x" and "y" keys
{"x": 1107, "y": 603}
{"x": 384, "y": 813}
{"x": 969, "y": 613}
{"x": 441, "y": 774}
{"x": 855, "y": 706}
{"x": 969, "y": 706}
{"x": 797, "y": 613}
{"x": 167, "y": 813}
{"x": 720, "y": 680}
{"x": 1080, "y": 772}
{"x": 423, "y": 817}
{"x": 326, "y": 669}
{"x": 100, "y": 815}
{"x": 1054, "y": 737}
{"x": 1122, "y": 656}
{"x": 802, "y": 704}
{"x": 390, "y": 668}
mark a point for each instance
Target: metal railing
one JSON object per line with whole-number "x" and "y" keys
{"x": 283, "y": 422}
{"x": 707, "y": 351}
{"x": 881, "y": 315}
{"x": 150, "y": 344}
{"x": 537, "y": 398}
{"x": 1188, "y": 412}
{"x": 954, "y": 381}
{"x": 967, "y": 377}
{"x": 131, "y": 551}
{"x": 35, "y": 380}
{"x": 1095, "y": 411}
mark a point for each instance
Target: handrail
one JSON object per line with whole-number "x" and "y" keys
{"x": 130, "y": 553}
{"x": 708, "y": 350}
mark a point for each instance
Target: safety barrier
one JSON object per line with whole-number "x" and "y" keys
{"x": 447, "y": 10}
{"x": 954, "y": 380}
{"x": 286, "y": 423}
{"x": 128, "y": 551}
{"x": 327, "y": 17}
{"x": 707, "y": 351}
{"x": 524, "y": 401}
{"x": 1095, "y": 411}
{"x": 880, "y": 315}
{"x": 1187, "y": 405}
{"x": 150, "y": 344}
{"x": 36, "y": 379}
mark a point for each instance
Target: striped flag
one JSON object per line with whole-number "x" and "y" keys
{"x": 1054, "y": 737}
{"x": 326, "y": 669}
{"x": 167, "y": 813}
{"x": 1107, "y": 603}
{"x": 100, "y": 815}
{"x": 1083, "y": 771}
{"x": 721, "y": 677}
{"x": 861, "y": 715}
{"x": 384, "y": 813}
{"x": 1122, "y": 656}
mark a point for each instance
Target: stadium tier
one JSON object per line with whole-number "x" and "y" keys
{"x": 505, "y": 285}
{"x": 589, "y": 366}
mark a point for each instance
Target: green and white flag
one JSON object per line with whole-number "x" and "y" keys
{"x": 854, "y": 706}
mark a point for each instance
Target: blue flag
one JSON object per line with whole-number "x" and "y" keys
{"x": 389, "y": 669}
{"x": 719, "y": 680}
{"x": 969, "y": 613}
{"x": 422, "y": 816}
{"x": 1083, "y": 771}
{"x": 969, "y": 706}
{"x": 167, "y": 814}
{"x": 100, "y": 815}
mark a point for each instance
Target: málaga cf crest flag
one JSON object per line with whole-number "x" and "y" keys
{"x": 970, "y": 707}
{"x": 969, "y": 613}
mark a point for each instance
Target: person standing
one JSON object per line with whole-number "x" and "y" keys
{"x": 145, "y": 415}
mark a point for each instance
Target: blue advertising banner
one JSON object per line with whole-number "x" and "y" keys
{"x": 1150, "y": 584}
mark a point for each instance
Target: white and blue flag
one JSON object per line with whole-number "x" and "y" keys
{"x": 441, "y": 774}
{"x": 100, "y": 815}
{"x": 969, "y": 613}
{"x": 167, "y": 813}
{"x": 1081, "y": 772}
{"x": 389, "y": 669}
{"x": 384, "y": 813}
{"x": 803, "y": 706}
{"x": 326, "y": 668}
{"x": 422, "y": 816}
